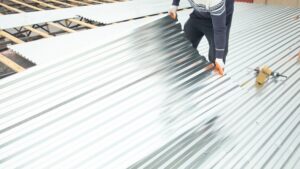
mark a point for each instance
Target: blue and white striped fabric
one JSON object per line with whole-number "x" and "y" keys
{"x": 215, "y": 7}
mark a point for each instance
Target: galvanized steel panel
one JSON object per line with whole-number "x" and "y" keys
{"x": 30, "y": 18}
{"x": 103, "y": 13}
{"x": 89, "y": 110}
{"x": 246, "y": 19}
{"x": 147, "y": 101}
{"x": 42, "y": 51}
{"x": 114, "y": 12}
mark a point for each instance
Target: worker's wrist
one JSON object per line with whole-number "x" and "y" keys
{"x": 219, "y": 54}
{"x": 174, "y": 7}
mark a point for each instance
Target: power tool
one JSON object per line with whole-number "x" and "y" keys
{"x": 264, "y": 73}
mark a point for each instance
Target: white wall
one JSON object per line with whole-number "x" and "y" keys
{"x": 293, "y": 3}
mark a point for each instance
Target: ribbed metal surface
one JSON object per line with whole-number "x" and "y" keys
{"x": 30, "y": 18}
{"x": 111, "y": 13}
{"x": 259, "y": 129}
{"x": 103, "y": 13}
{"x": 260, "y": 35}
{"x": 108, "y": 107}
{"x": 243, "y": 30}
{"x": 146, "y": 101}
{"x": 70, "y": 45}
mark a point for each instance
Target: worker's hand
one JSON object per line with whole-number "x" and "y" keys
{"x": 173, "y": 12}
{"x": 219, "y": 66}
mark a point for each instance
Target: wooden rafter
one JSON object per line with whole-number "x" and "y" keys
{"x": 109, "y": 1}
{"x": 50, "y": 23}
{"x": 78, "y": 2}
{"x": 43, "y": 34}
{"x": 62, "y": 3}
{"x": 61, "y": 27}
{"x": 93, "y": 1}
{"x": 10, "y": 8}
{"x": 72, "y": 20}
{"x": 10, "y": 37}
{"x": 39, "y": 9}
{"x": 27, "y": 5}
{"x": 83, "y": 23}
{"x": 45, "y": 4}
{"x": 11, "y": 64}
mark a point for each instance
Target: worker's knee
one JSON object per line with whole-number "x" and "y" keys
{"x": 187, "y": 29}
{"x": 191, "y": 33}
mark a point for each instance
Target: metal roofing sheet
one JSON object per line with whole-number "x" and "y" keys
{"x": 246, "y": 19}
{"x": 39, "y": 51}
{"x": 146, "y": 101}
{"x": 85, "y": 106}
{"x": 70, "y": 45}
{"x": 104, "y": 13}
{"x": 260, "y": 35}
{"x": 30, "y": 18}
{"x": 115, "y": 13}
{"x": 259, "y": 129}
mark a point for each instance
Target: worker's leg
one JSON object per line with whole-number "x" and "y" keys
{"x": 191, "y": 31}
{"x": 207, "y": 28}
{"x": 228, "y": 25}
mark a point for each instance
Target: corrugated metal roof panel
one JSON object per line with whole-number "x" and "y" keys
{"x": 147, "y": 101}
{"x": 259, "y": 129}
{"x": 85, "y": 106}
{"x": 103, "y": 13}
{"x": 30, "y": 18}
{"x": 112, "y": 13}
{"x": 42, "y": 51}
{"x": 246, "y": 18}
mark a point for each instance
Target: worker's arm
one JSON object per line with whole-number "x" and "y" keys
{"x": 219, "y": 26}
{"x": 176, "y": 2}
{"x": 173, "y": 9}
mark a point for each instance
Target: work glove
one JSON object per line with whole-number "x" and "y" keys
{"x": 173, "y": 12}
{"x": 219, "y": 66}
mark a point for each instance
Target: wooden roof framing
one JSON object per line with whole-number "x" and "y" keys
{"x": 50, "y": 23}
{"x": 62, "y": 3}
{"x": 50, "y": 4}
{"x": 55, "y": 7}
{"x": 43, "y": 34}
{"x": 78, "y": 2}
{"x": 11, "y": 64}
{"x": 10, "y": 37}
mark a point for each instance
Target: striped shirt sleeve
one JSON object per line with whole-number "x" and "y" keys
{"x": 176, "y": 2}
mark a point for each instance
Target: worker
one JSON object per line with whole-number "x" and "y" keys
{"x": 212, "y": 19}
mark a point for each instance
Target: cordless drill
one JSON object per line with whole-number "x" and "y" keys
{"x": 264, "y": 73}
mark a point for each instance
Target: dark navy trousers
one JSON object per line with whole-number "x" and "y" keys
{"x": 196, "y": 27}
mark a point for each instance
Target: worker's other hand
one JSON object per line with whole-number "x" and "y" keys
{"x": 173, "y": 12}
{"x": 219, "y": 66}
